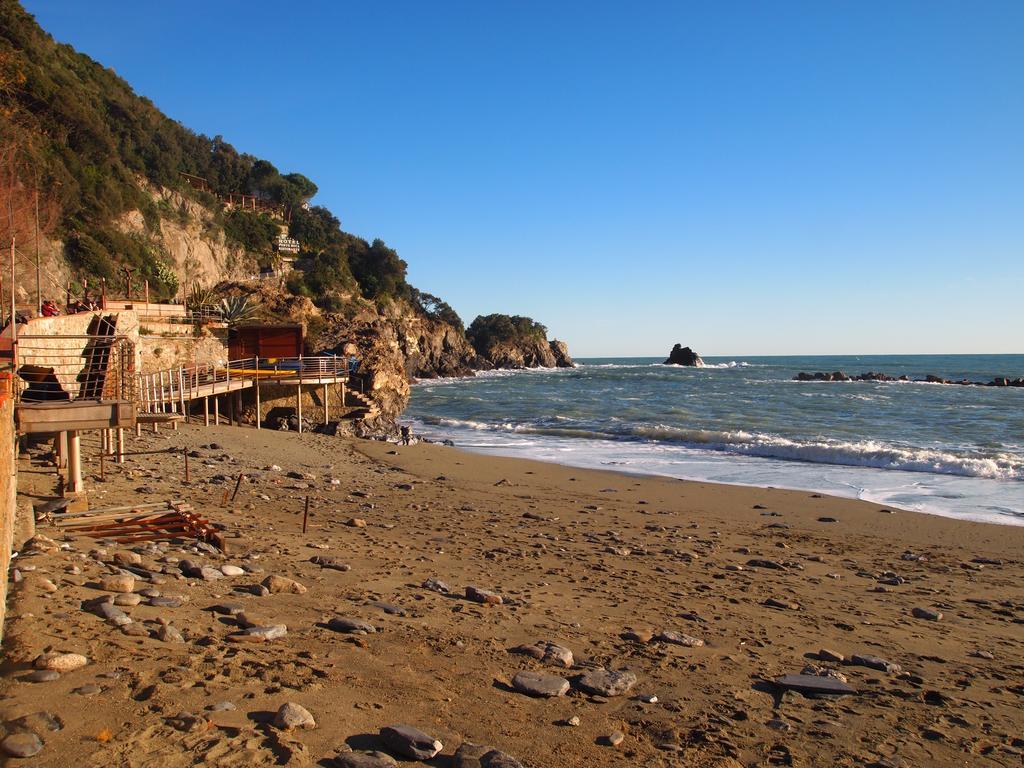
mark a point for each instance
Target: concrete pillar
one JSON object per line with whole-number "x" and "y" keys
{"x": 74, "y": 484}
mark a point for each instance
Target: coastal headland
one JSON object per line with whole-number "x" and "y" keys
{"x": 706, "y": 594}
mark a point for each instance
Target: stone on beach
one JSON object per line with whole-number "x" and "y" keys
{"x": 826, "y": 654}
{"x": 548, "y": 652}
{"x": 60, "y": 662}
{"x": 678, "y": 638}
{"x": 259, "y": 633}
{"x": 814, "y": 684}
{"x": 332, "y": 563}
{"x": 351, "y": 626}
{"x": 22, "y": 745}
{"x": 121, "y": 582}
{"x": 283, "y": 585}
{"x": 410, "y": 742}
{"x": 478, "y": 595}
{"x": 606, "y": 682}
{"x": 291, "y": 716}
{"x": 470, "y": 755}
{"x": 365, "y": 760}
{"x": 927, "y": 614}
{"x": 539, "y": 684}
{"x": 874, "y": 662}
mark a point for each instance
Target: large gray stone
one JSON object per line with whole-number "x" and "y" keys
{"x": 814, "y": 684}
{"x": 539, "y": 684}
{"x": 606, "y": 682}
{"x": 351, "y": 626}
{"x": 410, "y": 742}
{"x": 365, "y": 760}
{"x": 22, "y": 745}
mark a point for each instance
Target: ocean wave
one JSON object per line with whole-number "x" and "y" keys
{"x": 864, "y": 453}
{"x": 706, "y": 366}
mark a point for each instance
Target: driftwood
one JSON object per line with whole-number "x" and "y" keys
{"x": 142, "y": 522}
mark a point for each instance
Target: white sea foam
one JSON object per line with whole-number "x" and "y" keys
{"x": 864, "y": 453}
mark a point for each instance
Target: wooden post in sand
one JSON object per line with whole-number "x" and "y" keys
{"x": 305, "y": 515}
{"x": 327, "y": 407}
{"x": 120, "y": 445}
{"x": 206, "y": 411}
{"x": 298, "y": 401}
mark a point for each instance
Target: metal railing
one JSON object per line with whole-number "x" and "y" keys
{"x": 67, "y": 367}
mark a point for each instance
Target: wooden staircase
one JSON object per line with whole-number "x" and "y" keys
{"x": 365, "y": 407}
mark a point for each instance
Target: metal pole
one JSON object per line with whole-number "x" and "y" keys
{"x": 14, "y": 325}
{"x": 259, "y": 415}
{"x": 39, "y": 280}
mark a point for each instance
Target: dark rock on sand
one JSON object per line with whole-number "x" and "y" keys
{"x": 410, "y": 742}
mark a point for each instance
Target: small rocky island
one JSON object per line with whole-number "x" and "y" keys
{"x": 681, "y": 355}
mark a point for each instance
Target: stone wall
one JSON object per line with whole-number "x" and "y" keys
{"x": 51, "y": 342}
{"x": 178, "y": 345}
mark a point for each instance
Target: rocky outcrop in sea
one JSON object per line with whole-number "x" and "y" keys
{"x": 681, "y": 355}
{"x": 998, "y": 381}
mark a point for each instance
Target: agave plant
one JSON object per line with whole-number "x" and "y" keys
{"x": 199, "y": 295}
{"x": 236, "y": 309}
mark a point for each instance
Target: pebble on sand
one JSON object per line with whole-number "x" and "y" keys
{"x": 282, "y": 584}
{"x": 61, "y": 662}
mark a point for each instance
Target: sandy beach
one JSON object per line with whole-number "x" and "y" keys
{"x": 706, "y": 594}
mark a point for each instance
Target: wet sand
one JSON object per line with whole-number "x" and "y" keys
{"x": 579, "y": 557}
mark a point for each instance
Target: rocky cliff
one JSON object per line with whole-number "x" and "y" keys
{"x": 524, "y": 353}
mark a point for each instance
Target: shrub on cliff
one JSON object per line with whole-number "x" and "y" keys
{"x": 253, "y": 232}
{"x": 436, "y": 308}
{"x": 487, "y": 330}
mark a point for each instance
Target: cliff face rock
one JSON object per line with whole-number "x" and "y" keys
{"x": 681, "y": 355}
{"x": 194, "y": 245}
{"x": 560, "y": 350}
{"x": 529, "y": 353}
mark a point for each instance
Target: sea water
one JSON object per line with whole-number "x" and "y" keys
{"x": 944, "y": 449}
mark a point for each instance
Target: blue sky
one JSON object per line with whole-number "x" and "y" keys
{"x": 741, "y": 177}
